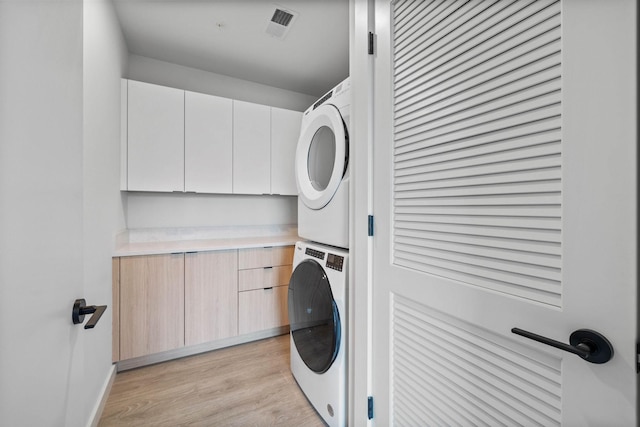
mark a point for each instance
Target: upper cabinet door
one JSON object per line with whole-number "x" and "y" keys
{"x": 208, "y": 143}
{"x": 251, "y": 148}
{"x": 285, "y": 130}
{"x": 155, "y": 138}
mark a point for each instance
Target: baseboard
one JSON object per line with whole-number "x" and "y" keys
{"x": 96, "y": 413}
{"x": 137, "y": 362}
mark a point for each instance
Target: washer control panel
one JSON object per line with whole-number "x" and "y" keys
{"x": 314, "y": 253}
{"x": 335, "y": 262}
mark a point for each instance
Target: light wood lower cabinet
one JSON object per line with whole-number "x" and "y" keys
{"x": 211, "y": 296}
{"x": 263, "y": 309}
{"x": 151, "y": 304}
{"x": 263, "y": 281}
{"x": 179, "y": 304}
{"x": 265, "y": 257}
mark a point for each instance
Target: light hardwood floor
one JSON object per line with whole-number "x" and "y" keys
{"x": 245, "y": 385}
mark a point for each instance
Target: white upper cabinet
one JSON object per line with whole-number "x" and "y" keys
{"x": 124, "y": 108}
{"x": 176, "y": 140}
{"x": 155, "y": 140}
{"x": 208, "y": 143}
{"x": 251, "y": 148}
{"x": 285, "y": 129}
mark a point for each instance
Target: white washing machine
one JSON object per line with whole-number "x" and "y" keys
{"x": 322, "y": 169}
{"x": 318, "y": 322}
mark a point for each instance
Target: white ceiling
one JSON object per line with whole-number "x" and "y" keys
{"x": 228, "y": 37}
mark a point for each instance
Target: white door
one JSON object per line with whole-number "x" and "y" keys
{"x": 43, "y": 355}
{"x": 505, "y": 196}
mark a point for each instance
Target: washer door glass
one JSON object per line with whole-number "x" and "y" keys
{"x": 313, "y": 316}
{"x": 321, "y": 156}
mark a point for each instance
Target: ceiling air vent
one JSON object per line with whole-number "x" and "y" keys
{"x": 281, "y": 21}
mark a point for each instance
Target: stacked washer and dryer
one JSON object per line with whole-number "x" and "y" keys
{"x": 318, "y": 285}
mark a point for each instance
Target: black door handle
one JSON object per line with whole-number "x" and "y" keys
{"x": 589, "y": 345}
{"x": 80, "y": 309}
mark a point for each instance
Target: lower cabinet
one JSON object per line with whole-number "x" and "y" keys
{"x": 151, "y": 304}
{"x": 173, "y": 301}
{"x": 211, "y": 296}
{"x": 263, "y": 309}
{"x": 263, "y": 281}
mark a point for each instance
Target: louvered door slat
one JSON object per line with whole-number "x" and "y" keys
{"x": 467, "y": 385}
{"x": 477, "y": 366}
{"x": 529, "y": 258}
{"x": 520, "y": 30}
{"x": 498, "y": 140}
{"x": 543, "y": 157}
{"x": 429, "y": 36}
{"x": 513, "y": 81}
{"x": 415, "y": 189}
{"x": 542, "y": 116}
{"x": 439, "y": 21}
{"x": 536, "y": 372}
{"x": 548, "y": 174}
{"x": 436, "y": 238}
{"x": 519, "y": 383}
{"x": 544, "y": 276}
{"x": 427, "y": 12}
{"x": 475, "y": 372}
{"x": 486, "y": 107}
{"x": 472, "y": 168}
{"x": 530, "y": 223}
{"x": 404, "y": 10}
{"x": 524, "y": 234}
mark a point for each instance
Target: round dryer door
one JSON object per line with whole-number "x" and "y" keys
{"x": 321, "y": 156}
{"x": 313, "y": 316}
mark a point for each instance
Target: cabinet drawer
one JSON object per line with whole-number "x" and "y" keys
{"x": 259, "y": 278}
{"x": 262, "y": 309}
{"x": 265, "y": 257}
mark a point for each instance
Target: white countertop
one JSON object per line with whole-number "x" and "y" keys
{"x": 163, "y": 241}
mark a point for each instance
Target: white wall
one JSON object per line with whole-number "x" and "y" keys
{"x": 199, "y": 210}
{"x": 210, "y": 210}
{"x": 164, "y": 73}
{"x": 104, "y": 62}
{"x": 41, "y": 190}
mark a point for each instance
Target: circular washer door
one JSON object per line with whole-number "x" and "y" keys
{"x": 321, "y": 156}
{"x": 313, "y": 316}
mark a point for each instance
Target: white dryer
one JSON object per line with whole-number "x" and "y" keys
{"x": 318, "y": 322}
{"x": 322, "y": 169}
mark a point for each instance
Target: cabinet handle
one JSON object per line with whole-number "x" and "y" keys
{"x": 268, "y": 268}
{"x": 266, "y": 289}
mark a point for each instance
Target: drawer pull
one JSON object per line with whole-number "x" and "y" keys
{"x": 267, "y": 289}
{"x": 268, "y": 268}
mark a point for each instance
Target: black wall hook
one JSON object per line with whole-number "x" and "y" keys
{"x": 80, "y": 308}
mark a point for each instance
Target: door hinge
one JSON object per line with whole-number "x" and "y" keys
{"x": 371, "y": 42}
{"x": 370, "y": 407}
{"x": 370, "y": 226}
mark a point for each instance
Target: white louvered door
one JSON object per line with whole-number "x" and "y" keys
{"x": 505, "y": 195}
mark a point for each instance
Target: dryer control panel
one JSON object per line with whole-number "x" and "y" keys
{"x": 335, "y": 262}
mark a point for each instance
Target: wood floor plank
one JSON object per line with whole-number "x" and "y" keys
{"x": 245, "y": 385}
